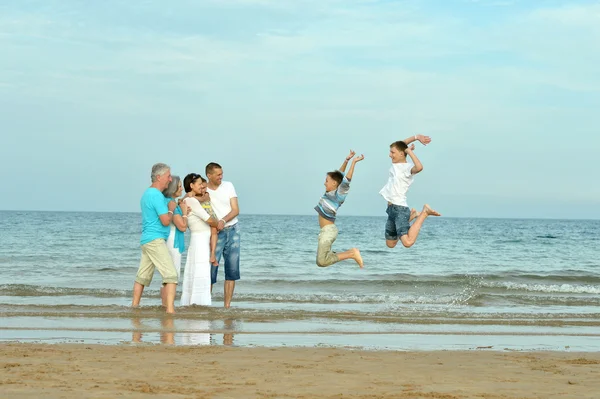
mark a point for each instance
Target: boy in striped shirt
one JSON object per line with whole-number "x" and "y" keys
{"x": 337, "y": 186}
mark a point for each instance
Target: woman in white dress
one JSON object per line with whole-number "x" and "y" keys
{"x": 196, "y": 277}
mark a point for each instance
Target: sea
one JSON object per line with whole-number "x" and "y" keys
{"x": 467, "y": 284}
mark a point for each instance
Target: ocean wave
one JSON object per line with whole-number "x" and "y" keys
{"x": 546, "y": 288}
{"x": 25, "y": 290}
{"x": 398, "y": 315}
{"x": 468, "y": 296}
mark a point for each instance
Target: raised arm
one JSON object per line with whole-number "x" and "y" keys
{"x": 354, "y": 162}
{"x": 421, "y": 138}
{"x": 418, "y": 165}
{"x": 348, "y": 158}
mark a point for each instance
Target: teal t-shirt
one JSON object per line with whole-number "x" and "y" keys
{"x": 153, "y": 204}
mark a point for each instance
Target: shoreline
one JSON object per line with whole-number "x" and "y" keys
{"x": 373, "y": 342}
{"x": 244, "y": 328}
{"x": 83, "y": 370}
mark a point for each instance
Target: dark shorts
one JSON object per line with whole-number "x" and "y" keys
{"x": 398, "y": 222}
{"x": 228, "y": 248}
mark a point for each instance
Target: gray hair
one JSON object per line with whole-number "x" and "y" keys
{"x": 170, "y": 191}
{"x": 159, "y": 169}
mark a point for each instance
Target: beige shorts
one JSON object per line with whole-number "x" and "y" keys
{"x": 325, "y": 256}
{"x": 155, "y": 254}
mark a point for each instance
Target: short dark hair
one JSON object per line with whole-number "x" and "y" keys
{"x": 399, "y": 145}
{"x": 337, "y": 176}
{"x": 211, "y": 167}
{"x": 189, "y": 180}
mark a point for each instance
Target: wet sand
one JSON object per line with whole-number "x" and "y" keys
{"x": 164, "y": 371}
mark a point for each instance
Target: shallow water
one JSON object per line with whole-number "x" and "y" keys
{"x": 522, "y": 284}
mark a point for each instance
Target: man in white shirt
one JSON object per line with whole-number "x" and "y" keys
{"x": 225, "y": 205}
{"x": 398, "y": 227}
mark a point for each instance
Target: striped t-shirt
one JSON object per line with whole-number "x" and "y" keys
{"x": 332, "y": 200}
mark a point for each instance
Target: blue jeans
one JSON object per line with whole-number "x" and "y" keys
{"x": 228, "y": 247}
{"x": 398, "y": 222}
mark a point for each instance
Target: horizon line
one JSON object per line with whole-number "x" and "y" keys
{"x": 290, "y": 214}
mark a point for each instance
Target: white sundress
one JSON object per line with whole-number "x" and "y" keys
{"x": 196, "y": 277}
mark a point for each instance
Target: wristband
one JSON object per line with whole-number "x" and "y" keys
{"x": 416, "y": 137}
{"x": 185, "y": 216}
{"x": 171, "y": 212}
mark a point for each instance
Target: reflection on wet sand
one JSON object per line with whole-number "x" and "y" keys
{"x": 167, "y": 330}
{"x": 167, "y": 334}
{"x": 184, "y": 331}
{"x": 136, "y": 335}
{"x": 228, "y": 337}
{"x": 195, "y": 332}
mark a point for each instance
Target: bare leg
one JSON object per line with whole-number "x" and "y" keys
{"x": 138, "y": 289}
{"x": 413, "y": 215}
{"x": 409, "y": 239}
{"x": 170, "y": 289}
{"x": 353, "y": 253}
{"x": 163, "y": 297}
{"x": 228, "y": 294}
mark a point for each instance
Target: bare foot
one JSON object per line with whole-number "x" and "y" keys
{"x": 430, "y": 212}
{"x": 413, "y": 214}
{"x": 356, "y": 256}
{"x": 171, "y": 310}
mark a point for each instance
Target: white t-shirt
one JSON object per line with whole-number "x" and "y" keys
{"x": 197, "y": 219}
{"x": 221, "y": 201}
{"x": 398, "y": 183}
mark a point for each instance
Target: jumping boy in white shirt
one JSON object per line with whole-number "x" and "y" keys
{"x": 398, "y": 227}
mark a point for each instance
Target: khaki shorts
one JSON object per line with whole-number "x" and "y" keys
{"x": 155, "y": 254}
{"x": 325, "y": 256}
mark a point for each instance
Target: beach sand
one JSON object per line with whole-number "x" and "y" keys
{"x": 153, "y": 371}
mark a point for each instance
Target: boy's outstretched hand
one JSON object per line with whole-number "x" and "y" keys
{"x": 349, "y": 157}
{"x": 423, "y": 139}
{"x": 359, "y": 158}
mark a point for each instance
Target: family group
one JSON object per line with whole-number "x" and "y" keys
{"x": 209, "y": 210}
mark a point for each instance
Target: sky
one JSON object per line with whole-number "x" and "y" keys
{"x": 92, "y": 94}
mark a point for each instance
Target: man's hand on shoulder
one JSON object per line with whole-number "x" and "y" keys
{"x": 172, "y": 205}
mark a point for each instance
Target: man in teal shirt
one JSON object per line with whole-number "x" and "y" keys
{"x": 156, "y": 220}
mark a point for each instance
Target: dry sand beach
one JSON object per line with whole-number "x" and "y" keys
{"x": 149, "y": 371}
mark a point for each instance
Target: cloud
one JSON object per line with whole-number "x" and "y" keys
{"x": 307, "y": 72}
